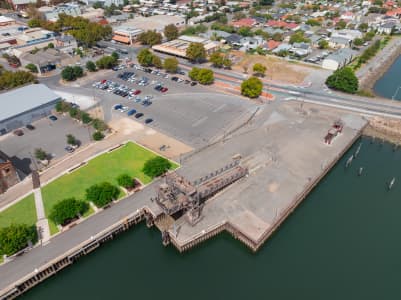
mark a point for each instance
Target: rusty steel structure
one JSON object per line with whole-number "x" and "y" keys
{"x": 177, "y": 194}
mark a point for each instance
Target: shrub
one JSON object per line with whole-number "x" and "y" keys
{"x": 98, "y": 136}
{"x": 40, "y": 154}
{"x": 102, "y": 194}
{"x": 251, "y": 87}
{"x": 344, "y": 80}
{"x": 125, "y": 180}
{"x": 16, "y": 237}
{"x": 99, "y": 125}
{"x": 156, "y": 166}
{"x": 68, "y": 209}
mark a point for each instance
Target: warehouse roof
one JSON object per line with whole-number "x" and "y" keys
{"x": 24, "y": 99}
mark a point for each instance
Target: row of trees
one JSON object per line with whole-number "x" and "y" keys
{"x": 72, "y": 73}
{"x": 147, "y": 59}
{"x": 16, "y": 237}
{"x": 203, "y": 76}
{"x": 10, "y": 80}
{"x": 102, "y": 194}
{"x": 74, "y": 112}
{"x": 84, "y": 31}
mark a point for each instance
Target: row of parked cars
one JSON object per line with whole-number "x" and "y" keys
{"x": 116, "y": 88}
{"x": 132, "y": 112}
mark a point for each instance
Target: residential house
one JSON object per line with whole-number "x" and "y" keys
{"x": 282, "y": 47}
{"x": 338, "y": 59}
{"x": 300, "y": 49}
{"x": 66, "y": 43}
{"x": 234, "y": 40}
{"x": 70, "y": 9}
{"x": 339, "y": 42}
{"x": 270, "y": 45}
{"x": 350, "y": 34}
{"x": 251, "y": 43}
{"x": 247, "y": 22}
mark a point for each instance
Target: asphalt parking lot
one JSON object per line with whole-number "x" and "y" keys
{"x": 48, "y": 135}
{"x": 192, "y": 114}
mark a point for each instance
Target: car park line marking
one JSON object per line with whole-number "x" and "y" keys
{"x": 200, "y": 121}
{"x": 219, "y": 108}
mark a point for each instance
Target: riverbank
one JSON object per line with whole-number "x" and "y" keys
{"x": 384, "y": 129}
{"x": 378, "y": 66}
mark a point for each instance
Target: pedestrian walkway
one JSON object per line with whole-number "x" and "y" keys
{"x": 42, "y": 224}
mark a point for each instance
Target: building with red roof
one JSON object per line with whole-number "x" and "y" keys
{"x": 247, "y": 22}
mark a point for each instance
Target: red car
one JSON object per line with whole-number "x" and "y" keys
{"x": 137, "y": 92}
{"x": 164, "y": 89}
{"x": 103, "y": 81}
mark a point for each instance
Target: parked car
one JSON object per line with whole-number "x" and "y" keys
{"x": 138, "y": 115}
{"x": 137, "y": 92}
{"x": 53, "y": 118}
{"x": 164, "y": 89}
{"x": 181, "y": 72}
{"x": 69, "y": 149}
{"x": 146, "y": 103}
{"x": 131, "y": 112}
{"x": 149, "y": 120}
{"x": 193, "y": 83}
{"x": 30, "y": 127}
{"x": 18, "y": 132}
{"x": 118, "y": 106}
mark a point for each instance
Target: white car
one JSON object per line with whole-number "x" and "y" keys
{"x": 123, "y": 109}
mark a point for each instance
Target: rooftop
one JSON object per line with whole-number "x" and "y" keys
{"x": 24, "y": 99}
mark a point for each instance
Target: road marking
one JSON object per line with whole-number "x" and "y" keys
{"x": 200, "y": 121}
{"x": 220, "y": 107}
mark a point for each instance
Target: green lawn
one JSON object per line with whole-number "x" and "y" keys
{"x": 23, "y": 212}
{"x": 129, "y": 159}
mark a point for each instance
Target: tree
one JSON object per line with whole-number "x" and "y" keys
{"x": 97, "y": 4}
{"x": 341, "y": 24}
{"x": 99, "y": 125}
{"x": 102, "y": 194}
{"x": 193, "y": 74}
{"x": 67, "y": 209}
{"x": 106, "y": 62}
{"x": 78, "y": 71}
{"x": 298, "y": 37}
{"x": 74, "y": 112}
{"x": 115, "y": 55}
{"x": 50, "y": 46}
{"x": 170, "y": 64}
{"x": 252, "y": 87}
{"x": 358, "y": 42}
{"x": 205, "y": 76}
{"x": 171, "y": 32}
{"x": 40, "y": 154}
{"x": 31, "y": 67}
{"x": 196, "y": 52}
{"x": 150, "y": 38}
{"x": 369, "y": 36}
{"x": 85, "y": 118}
{"x": 239, "y": 15}
{"x": 145, "y": 57}
{"x": 216, "y": 59}
{"x": 34, "y": 23}
{"x": 68, "y": 74}
{"x": 313, "y": 22}
{"x": 125, "y": 180}
{"x": 259, "y": 69}
{"x": 16, "y": 237}
{"x": 363, "y": 27}
{"x": 245, "y": 31}
{"x": 9, "y": 80}
{"x": 344, "y": 80}
{"x": 62, "y": 106}
{"x": 156, "y": 61}
{"x": 91, "y": 66}
{"x": 227, "y": 63}
{"x": 71, "y": 140}
{"x": 278, "y": 37}
{"x": 98, "y": 136}
{"x": 323, "y": 44}
{"x": 156, "y": 166}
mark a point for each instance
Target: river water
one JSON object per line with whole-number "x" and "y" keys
{"x": 343, "y": 242}
{"x": 389, "y": 85}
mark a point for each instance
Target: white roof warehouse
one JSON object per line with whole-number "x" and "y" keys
{"x": 25, "y": 105}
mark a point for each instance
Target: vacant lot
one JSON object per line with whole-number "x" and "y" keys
{"x": 129, "y": 159}
{"x": 23, "y": 212}
{"x": 277, "y": 69}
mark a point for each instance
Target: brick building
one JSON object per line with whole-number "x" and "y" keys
{"x": 8, "y": 174}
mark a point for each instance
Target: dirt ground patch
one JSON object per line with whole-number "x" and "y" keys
{"x": 277, "y": 69}
{"x": 150, "y": 138}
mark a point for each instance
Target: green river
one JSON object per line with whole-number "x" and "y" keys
{"x": 343, "y": 242}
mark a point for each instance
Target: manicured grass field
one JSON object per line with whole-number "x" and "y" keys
{"x": 23, "y": 212}
{"x": 129, "y": 159}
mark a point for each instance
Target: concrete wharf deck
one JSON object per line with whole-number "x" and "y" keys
{"x": 286, "y": 156}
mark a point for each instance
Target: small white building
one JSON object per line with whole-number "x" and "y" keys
{"x": 338, "y": 59}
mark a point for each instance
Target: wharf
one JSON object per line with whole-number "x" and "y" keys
{"x": 282, "y": 148}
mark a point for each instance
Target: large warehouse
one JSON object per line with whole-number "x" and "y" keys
{"x": 25, "y": 105}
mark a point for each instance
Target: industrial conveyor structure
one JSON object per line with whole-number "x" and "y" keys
{"x": 178, "y": 195}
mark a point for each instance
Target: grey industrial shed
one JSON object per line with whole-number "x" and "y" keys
{"x": 25, "y": 105}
